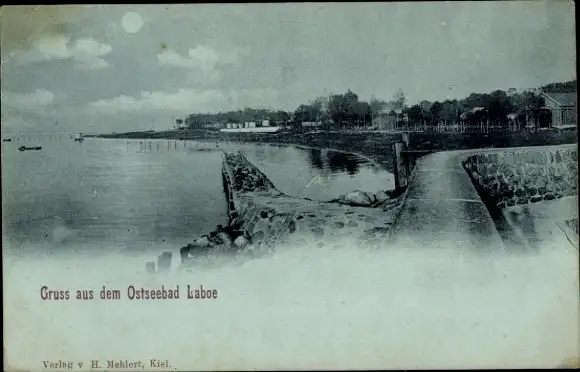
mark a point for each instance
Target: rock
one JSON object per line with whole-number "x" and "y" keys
{"x": 381, "y": 196}
{"x": 224, "y": 238}
{"x": 241, "y": 242}
{"x": 358, "y": 197}
{"x": 203, "y": 241}
{"x": 251, "y": 248}
{"x": 236, "y": 223}
{"x": 317, "y": 230}
{"x": 258, "y": 238}
{"x": 371, "y": 197}
{"x": 201, "y": 245}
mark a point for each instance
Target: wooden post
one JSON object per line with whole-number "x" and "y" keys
{"x": 164, "y": 261}
{"x": 184, "y": 252}
{"x": 405, "y": 137}
{"x": 150, "y": 267}
{"x": 400, "y": 165}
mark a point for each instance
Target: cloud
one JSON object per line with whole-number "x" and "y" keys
{"x": 182, "y": 101}
{"x": 186, "y": 101}
{"x": 87, "y": 52}
{"x": 201, "y": 62}
{"x": 27, "y": 101}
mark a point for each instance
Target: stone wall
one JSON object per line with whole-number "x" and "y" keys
{"x": 530, "y": 175}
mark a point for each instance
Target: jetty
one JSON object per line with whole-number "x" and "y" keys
{"x": 260, "y": 217}
{"x": 478, "y": 199}
{"x": 506, "y": 198}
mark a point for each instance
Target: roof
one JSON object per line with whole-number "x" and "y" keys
{"x": 562, "y": 99}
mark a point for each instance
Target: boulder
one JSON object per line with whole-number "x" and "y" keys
{"x": 258, "y": 238}
{"x": 203, "y": 241}
{"x": 372, "y": 197}
{"x": 241, "y": 242}
{"x": 236, "y": 223}
{"x": 224, "y": 238}
{"x": 201, "y": 245}
{"x": 381, "y": 196}
{"x": 358, "y": 197}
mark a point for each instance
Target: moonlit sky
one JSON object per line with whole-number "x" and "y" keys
{"x": 122, "y": 68}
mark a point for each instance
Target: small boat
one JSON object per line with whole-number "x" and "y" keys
{"x": 79, "y": 137}
{"x": 7, "y": 140}
{"x": 24, "y": 148}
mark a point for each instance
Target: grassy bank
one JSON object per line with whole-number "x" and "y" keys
{"x": 375, "y": 145}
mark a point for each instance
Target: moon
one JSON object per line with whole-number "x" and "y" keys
{"x": 132, "y": 22}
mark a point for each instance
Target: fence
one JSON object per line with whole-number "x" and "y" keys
{"x": 508, "y": 126}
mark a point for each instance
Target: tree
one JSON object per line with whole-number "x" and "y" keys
{"x": 475, "y": 100}
{"x": 450, "y": 110}
{"x": 344, "y": 109}
{"x": 565, "y": 87}
{"x": 499, "y": 106}
{"x": 377, "y": 106}
{"x": 311, "y": 112}
{"x": 414, "y": 113}
{"x": 527, "y": 105}
{"x": 178, "y": 122}
{"x": 435, "y": 111}
{"x": 361, "y": 113}
{"x": 425, "y": 106}
{"x": 399, "y": 99}
{"x": 193, "y": 121}
{"x": 280, "y": 118}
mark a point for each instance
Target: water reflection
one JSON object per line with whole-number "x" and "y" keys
{"x": 341, "y": 162}
{"x": 315, "y": 158}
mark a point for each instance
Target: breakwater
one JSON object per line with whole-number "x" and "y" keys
{"x": 453, "y": 198}
{"x": 261, "y": 217}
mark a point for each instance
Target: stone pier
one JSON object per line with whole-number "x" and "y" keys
{"x": 454, "y": 199}
{"x": 261, "y": 216}
{"x": 488, "y": 198}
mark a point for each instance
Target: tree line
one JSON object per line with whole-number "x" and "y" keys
{"x": 347, "y": 110}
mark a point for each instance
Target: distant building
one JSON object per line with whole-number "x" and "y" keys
{"x": 387, "y": 119}
{"x": 563, "y": 107}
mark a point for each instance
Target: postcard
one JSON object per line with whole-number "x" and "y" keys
{"x": 290, "y": 186}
